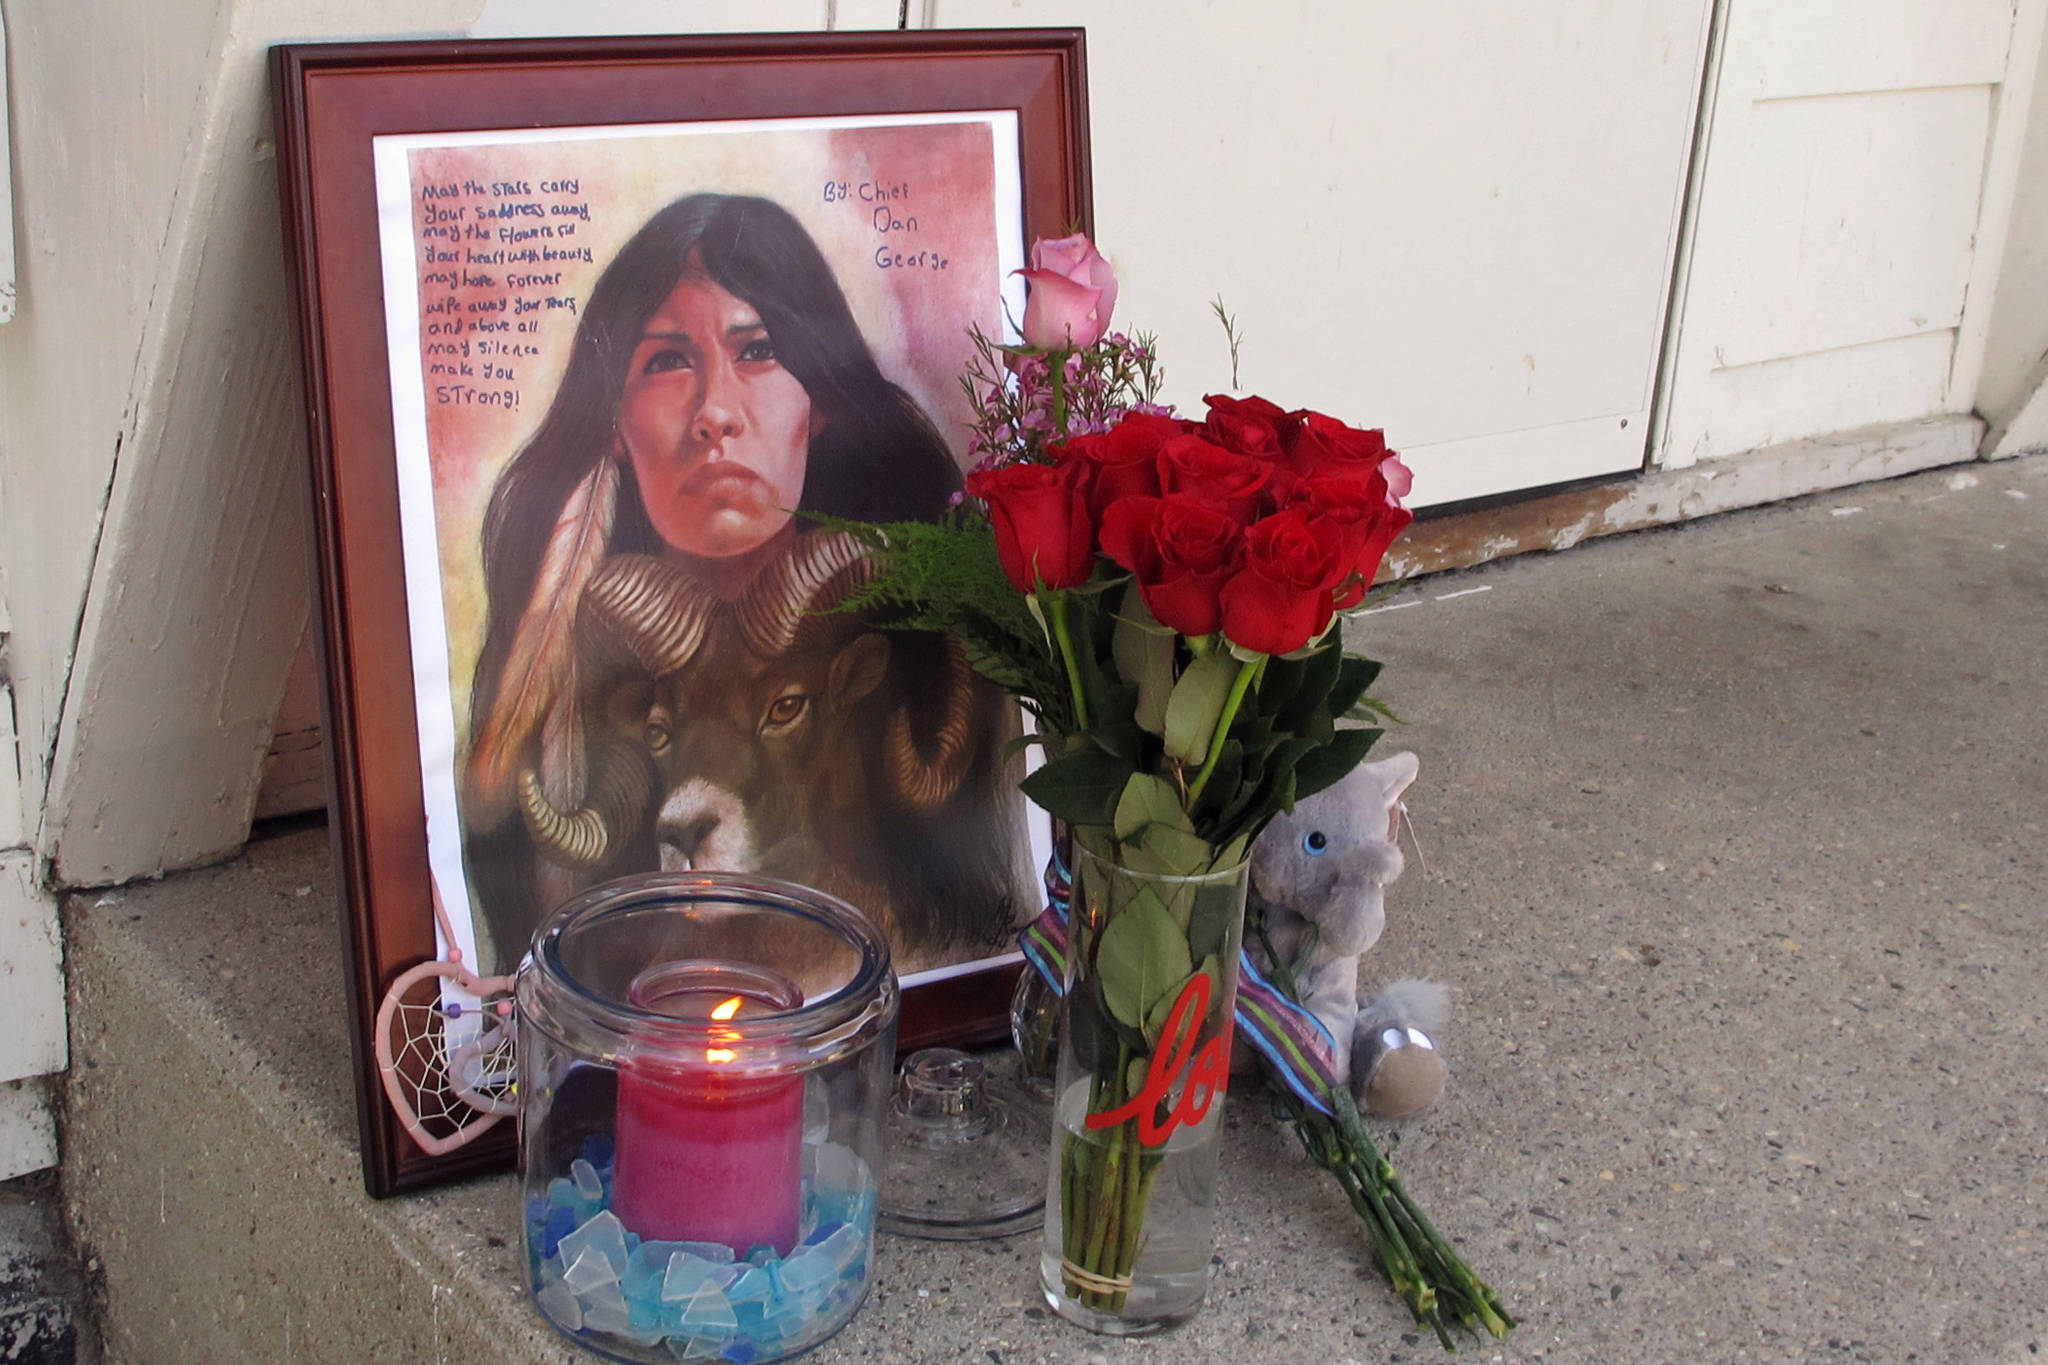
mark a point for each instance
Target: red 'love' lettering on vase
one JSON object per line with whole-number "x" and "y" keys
{"x": 1207, "y": 1078}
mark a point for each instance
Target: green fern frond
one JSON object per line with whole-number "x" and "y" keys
{"x": 946, "y": 576}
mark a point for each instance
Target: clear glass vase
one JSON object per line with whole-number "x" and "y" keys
{"x": 1144, "y": 1060}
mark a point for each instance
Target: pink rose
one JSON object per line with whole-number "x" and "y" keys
{"x": 1073, "y": 292}
{"x": 1400, "y": 479}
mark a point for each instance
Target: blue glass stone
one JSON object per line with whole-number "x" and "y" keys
{"x": 687, "y": 1273}
{"x": 754, "y": 1285}
{"x": 602, "y": 1232}
{"x": 802, "y": 1284}
{"x": 590, "y": 1273}
{"x": 845, "y": 1248}
{"x": 646, "y": 1268}
{"x": 822, "y": 1231}
{"x": 560, "y": 1223}
{"x": 718, "y": 1253}
{"x": 752, "y": 1320}
{"x": 708, "y": 1314}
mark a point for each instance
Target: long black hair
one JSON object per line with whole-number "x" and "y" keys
{"x": 876, "y": 455}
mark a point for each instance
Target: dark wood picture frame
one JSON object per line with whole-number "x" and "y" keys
{"x": 331, "y": 101}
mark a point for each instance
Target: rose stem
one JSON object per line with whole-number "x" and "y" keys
{"x": 1127, "y": 1246}
{"x": 1130, "y": 1216}
{"x": 1056, "y": 603}
{"x": 1070, "y": 1183}
{"x": 1106, "y": 1198}
{"x": 1327, "y": 1148}
{"x": 1102, "y": 1218}
{"x": 1395, "y": 1256}
{"x": 1459, "y": 1275}
{"x": 1248, "y": 671}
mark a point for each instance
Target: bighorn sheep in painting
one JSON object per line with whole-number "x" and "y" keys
{"x": 772, "y": 734}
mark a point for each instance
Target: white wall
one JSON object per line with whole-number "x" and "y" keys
{"x": 152, "y": 518}
{"x": 2016, "y": 360}
{"x": 151, "y": 461}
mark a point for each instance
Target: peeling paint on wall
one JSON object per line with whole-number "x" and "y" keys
{"x": 1562, "y": 520}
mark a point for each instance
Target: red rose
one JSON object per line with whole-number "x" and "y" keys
{"x": 1182, "y": 549}
{"x": 1250, "y": 426}
{"x": 1281, "y": 599}
{"x": 1189, "y": 464}
{"x": 1361, "y": 517}
{"x": 1328, "y": 446}
{"x": 1125, "y": 458}
{"x": 1040, "y": 514}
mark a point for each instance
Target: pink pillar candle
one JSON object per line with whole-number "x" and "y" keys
{"x": 710, "y": 1149}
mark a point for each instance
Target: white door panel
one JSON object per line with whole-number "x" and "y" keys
{"x": 1856, "y": 217}
{"x": 1827, "y": 47}
{"x": 1857, "y": 173}
{"x": 1453, "y": 471}
{"x": 1775, "y": 401}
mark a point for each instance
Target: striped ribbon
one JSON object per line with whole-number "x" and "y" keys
{"x": 1294, "y": 1042}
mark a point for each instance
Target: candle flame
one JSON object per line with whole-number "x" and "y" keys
{"x": 723, "y": 1012}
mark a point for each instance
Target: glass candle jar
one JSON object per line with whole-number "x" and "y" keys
{"x": 704, "y": 1070}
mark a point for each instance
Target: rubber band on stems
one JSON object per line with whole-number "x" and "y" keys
{"x": 1092, "y": 1283}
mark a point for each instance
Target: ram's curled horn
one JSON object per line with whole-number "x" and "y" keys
{"x": 925, "y": 783}
{"x": 588, "y": 837}
{"x": 816, "y": 574}
{"x": 656, "y": 609}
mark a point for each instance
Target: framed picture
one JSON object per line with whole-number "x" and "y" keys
{"x": 589, "y": 329}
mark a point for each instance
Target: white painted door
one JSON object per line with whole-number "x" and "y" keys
{"x": 1859, "y": 167}
{"x": 1456, "y": 221}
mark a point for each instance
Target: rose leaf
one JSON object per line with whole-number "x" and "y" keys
{"x": 1081, "y": 787}
{"x": 1143, "y": 650}
{"x": 1196, "y": 705}
{"x": 1141, "y": 956}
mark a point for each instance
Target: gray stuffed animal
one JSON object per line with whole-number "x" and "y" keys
{"x": 1318, "y": 879}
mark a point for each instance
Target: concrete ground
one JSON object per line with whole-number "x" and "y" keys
{"x": 1733, "y": 857}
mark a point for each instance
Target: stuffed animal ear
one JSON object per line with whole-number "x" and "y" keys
{"x": 1394, "y": 773}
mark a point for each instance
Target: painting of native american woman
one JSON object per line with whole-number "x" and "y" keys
{"x": 645, "y": 666}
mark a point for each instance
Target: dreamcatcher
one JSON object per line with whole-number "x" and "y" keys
{"x": 445, "y": 1048}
